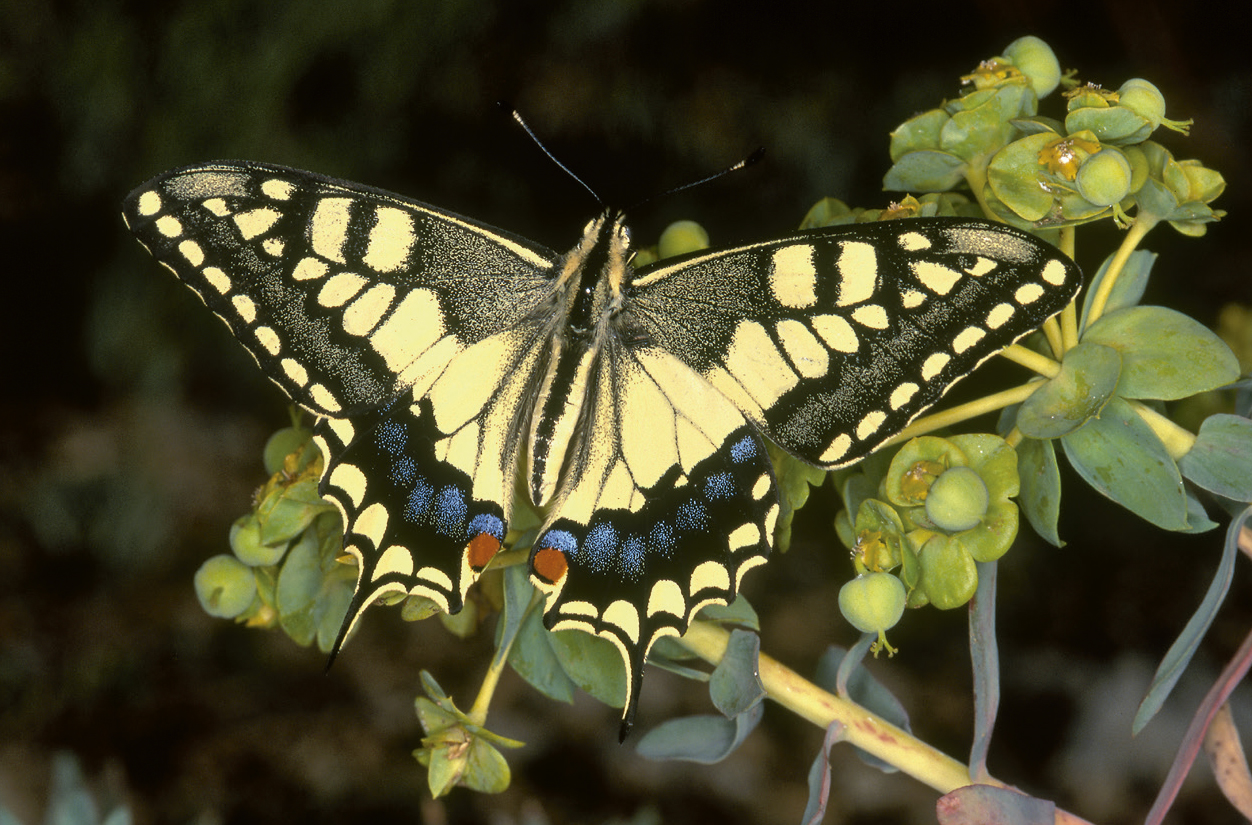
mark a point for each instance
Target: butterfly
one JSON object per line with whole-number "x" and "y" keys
{"x": 442, "y": 357}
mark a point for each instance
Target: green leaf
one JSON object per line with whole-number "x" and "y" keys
{"x": 793, "y": 479}
{"x": 1120, "y": 456}
{"x": 329, "y": 613}
{"x": 949, "y": 575}
{"x": 300, "y": 578}
{"x": 1113, "y": 125}
{"x": 283, "y": 443}
{"x": 519, "y": 593}
{"x": 1165, "y": 354}
{"x": 286, "y": 512}
{"x": 1130, "y": 285}
{"x": 486, "y": 770}
{"x": 1198, "y": 520}
{"x": 534, "y": 659}
{"x": 1220, "y": 461}
{"x": 1013, "y": 176}
{"x": 994, "y": 460}
{"x": 918, "y": 133}
{"x": 924, "y": 171}
{"x": 1155, "y": 199}
{"x": 735, "y": 685}
{"x": 994, "y": 536}
{"x": 592, "y": 663}
{"x": 705, "y": 739}
{"x": 1181, "y": 651}
{"x": 819, "y": 776}
{"x": 739, "y": 612}
{"x": 981, "y": 127}
{"x": 981, "y": 804}
{"x": 1040, "y": 497}
{"x": 1075, "y": 395}
{"x": 866, "y": 691}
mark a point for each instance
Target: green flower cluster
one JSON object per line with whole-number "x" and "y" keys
{"x": 941, "y": 505}
{"x": 1036, "y": 171}
{"x": 456, "y": 750}
{"x": 285, "y": 567}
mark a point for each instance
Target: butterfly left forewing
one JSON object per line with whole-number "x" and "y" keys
{"x": 344, "y": 294}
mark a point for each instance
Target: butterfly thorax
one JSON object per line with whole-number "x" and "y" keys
{"x": 588, "y": 293}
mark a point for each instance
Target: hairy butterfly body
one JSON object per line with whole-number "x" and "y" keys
{"x": 443, "y": 356}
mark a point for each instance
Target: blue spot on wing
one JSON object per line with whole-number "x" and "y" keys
{"x": 718, "y": 486}
{"x": 449, "y": 512}
{"x": 600, "y": 546}
{"x": 744, "y": 449}
{"x": 488, "y": 523}
{"x": 391, "y": 436}
{"x": 416, "y": 508}
{"x": 691, "y": 515}
{"x": 404, "y": 471}
{"x": 561, "y": 540}
{"x": 633, "y": 552}
{"x": 661, "y": 538}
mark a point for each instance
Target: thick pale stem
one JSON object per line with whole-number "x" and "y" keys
{"x": 864, "y": 729}
{"x": 482, "y": 702}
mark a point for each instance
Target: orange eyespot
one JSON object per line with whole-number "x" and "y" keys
{"x": 482, "y": 549}
{"x": 549, "y": 564}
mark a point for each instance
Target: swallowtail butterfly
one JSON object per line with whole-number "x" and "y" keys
{"x": 442, "y": 356}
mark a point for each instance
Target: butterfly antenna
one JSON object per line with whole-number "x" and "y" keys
{"x": 517, "y": 116}
{"x": 751, "y": 159}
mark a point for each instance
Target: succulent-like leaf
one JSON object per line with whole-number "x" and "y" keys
{"x": 1220, "y": 461}
{"x": 1120, "y": 456}
{"x": 1088, "y": 377}
{"x": 1165, "y": 355}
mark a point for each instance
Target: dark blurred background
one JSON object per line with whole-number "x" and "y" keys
{"x": 131, "y": 426}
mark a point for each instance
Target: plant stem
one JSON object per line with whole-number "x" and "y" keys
{"x": 964, "y": 412}
{"x": 1142, "y": 225}
{"x": 1031, "y": 360}
{"x": 976, "y": 179}
{"x": 1056, "y": 340}
{"x": 1177, "y": 440}
{"x": 864, "y": 729}
{"x": 482, "y": 702}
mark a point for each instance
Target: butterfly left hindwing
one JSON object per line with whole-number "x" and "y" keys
{"x": 443, "y": 356}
